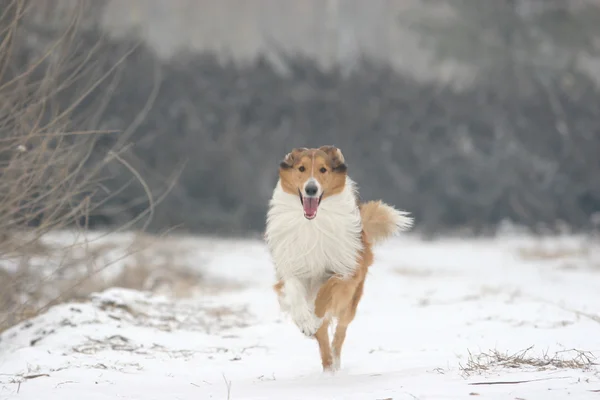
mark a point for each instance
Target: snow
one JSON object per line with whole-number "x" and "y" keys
{"x": 427, "y": 305}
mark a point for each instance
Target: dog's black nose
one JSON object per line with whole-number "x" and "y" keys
{"x": 311, "y": 189}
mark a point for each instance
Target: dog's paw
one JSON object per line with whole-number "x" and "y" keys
{"x": 333, "y": 366}
{"x": 336, "y": 365}
{"x": 329, "y": 370}
{"x": 308, "y": 323}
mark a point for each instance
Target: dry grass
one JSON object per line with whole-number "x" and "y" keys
{"x": 579, "y": 253}
{"x": 540, "y": 253}
{"x": 64, "y": 274}
{"x": 551, "y": 248}
{"x": 48, "y": 177}
{"x": 494, "y": 359}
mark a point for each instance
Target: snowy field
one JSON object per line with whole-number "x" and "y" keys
{"x": 507, "y": 318}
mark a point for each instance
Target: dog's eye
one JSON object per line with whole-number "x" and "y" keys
{"x": 301, "y": 168}
{"x": 323, "y": 170}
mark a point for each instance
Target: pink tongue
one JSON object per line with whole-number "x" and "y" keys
{"x": 310, "y": 205}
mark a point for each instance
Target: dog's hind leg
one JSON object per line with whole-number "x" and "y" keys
{"x": 335, "y": 295}
{"x": 344, "y": 319}
{"x": 339, "y": 298}
{"x": 322, "y": 337}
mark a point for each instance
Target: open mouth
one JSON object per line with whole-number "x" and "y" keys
{"x": 310, "y": 205}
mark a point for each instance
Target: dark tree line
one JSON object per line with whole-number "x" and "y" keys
{"x": 468, "y": 159}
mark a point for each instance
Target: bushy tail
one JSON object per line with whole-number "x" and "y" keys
{"x": 381, "y": 221}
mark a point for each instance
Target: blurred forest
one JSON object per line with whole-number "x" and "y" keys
{"x": 466, "y": 113}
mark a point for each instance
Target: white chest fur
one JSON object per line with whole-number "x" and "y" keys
{"x": 303, "y": 248}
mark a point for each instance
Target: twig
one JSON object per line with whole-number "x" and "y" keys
{"x": 515, "y": 382}
{"x": 62, "y": 383}
{"x": 228, "y": 384}
{"x": 27, "y": 377}
{"x": 141, "y": 181}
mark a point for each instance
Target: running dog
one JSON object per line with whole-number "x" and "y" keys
{"x": 320, "y": 238}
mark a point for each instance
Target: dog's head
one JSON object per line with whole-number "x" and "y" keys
{"x": 312, "y": 175}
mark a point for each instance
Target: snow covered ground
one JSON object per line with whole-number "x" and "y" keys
{"x": 445, "y": 319}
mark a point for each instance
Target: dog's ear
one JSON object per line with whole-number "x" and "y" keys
{"x": 290, "y": 158}
{"x": 288, "y": 161}
{"x": 337, "y": 158}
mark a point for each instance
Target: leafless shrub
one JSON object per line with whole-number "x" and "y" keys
{"x": 566, "y": 359}
{"x": 48, "y": 177}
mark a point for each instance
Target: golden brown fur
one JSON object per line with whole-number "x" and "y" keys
{"x": 380, "y": 221}
{"x": 325, "y": 163}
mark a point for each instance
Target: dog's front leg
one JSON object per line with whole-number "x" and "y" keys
{"x": 295, "y": 300}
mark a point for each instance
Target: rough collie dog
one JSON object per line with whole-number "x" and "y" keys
{"x": 320, "y": 235}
